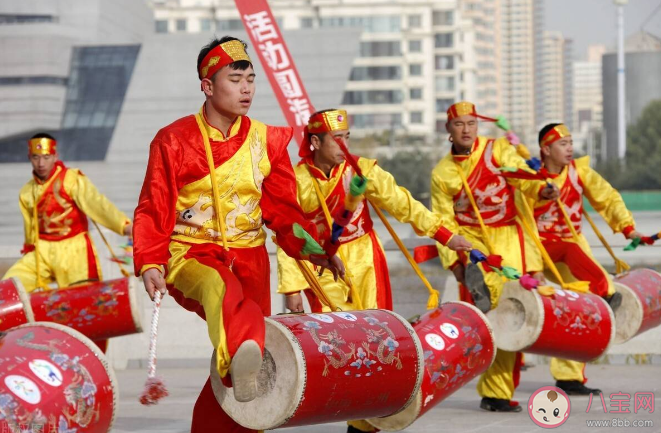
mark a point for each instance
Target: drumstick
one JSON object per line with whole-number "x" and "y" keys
{"x": 154, "y": 386}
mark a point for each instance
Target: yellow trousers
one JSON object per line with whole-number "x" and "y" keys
{"x": 64, "y": 262}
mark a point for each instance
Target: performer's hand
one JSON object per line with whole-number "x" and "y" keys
{"x": 634, "y": 234}
{"x": 334, "y": 264}
{"x": 459, "y": 272}
{"x": 459, "y": 243}
{"x": 539, "y": 276}
{"x": 128, "y": 230}
{"x": 154, "y": 281}
{"x": 294, "y": 302}
{"x": 550, "y": 192}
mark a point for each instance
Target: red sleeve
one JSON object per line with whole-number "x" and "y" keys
{"x": 155, "y": 214}
{"x": 280, "y": 208}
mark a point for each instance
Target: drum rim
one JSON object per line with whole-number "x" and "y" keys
{"x": 612, "y": 317}
{"x": 299, "y": 357}
{"x": 100, "y": 356}
{"x": 539, "y": 325}
{"x": 640, "y": 308}
{"x": 25, "y": 300}
{"x": 485, "y": 320}
{"x": 421, "y": 360}
{"x": 133, "y": 304}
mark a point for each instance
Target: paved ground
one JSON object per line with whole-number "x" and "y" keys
{"x": 459, "y": 413}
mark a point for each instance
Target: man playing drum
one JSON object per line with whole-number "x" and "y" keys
{"x": 468, "y": 178}
{"x": 55, "y": 205}
{"x": 568, "y": 245}
{"x": 204, "y": 240}
{"x": 323, "y": 174}
{"x": 324, "y": 184}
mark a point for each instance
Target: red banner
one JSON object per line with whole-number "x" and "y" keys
{"x": 277, "y": 63}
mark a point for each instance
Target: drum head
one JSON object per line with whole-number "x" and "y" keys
{"x": 517, "y": 321}
{"x": 629, "y": 316}
{"x": 281, "y": 383}
{"x": 400, "y": 420}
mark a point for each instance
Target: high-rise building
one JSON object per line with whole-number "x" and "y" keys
{"x": 416, "y": 58}
{"x": 642, "y": 85}
{"x": 587, "y": 115}
{"x": 554, "y": 95}
{"x": 520, "y": 35}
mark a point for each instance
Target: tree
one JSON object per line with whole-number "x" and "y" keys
{"x": 643, "y": 158}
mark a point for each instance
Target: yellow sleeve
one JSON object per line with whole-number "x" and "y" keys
{"x": 290, "y": 279}
{"x": 507, "y": 156}
{"x": 94, "y": 204}
{"x": 604, "y": 198}
{"x": 442, "y": 204}
{"x": 28, "y": 224}
{"x": 383, "y": 191}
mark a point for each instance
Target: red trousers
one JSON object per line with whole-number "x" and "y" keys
{"x": 580, "y": 264}
{"x": 247, "y": 299}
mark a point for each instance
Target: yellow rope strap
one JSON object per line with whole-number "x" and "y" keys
{"x": 220, "y": 222}
{"x": 434, "y": 295}
{"x": 315, "y": 286}
{"x": 577, "y": 286}
{"x": 35, "y": 227}
{"x": 469, "y": 193}
{"x": 620, "y": 265}
{"x": 112, "y": 253}
{"x": 355, "y": 297}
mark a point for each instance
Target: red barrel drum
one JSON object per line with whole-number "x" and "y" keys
{"x": 330, "y": 367}
{"x": 641, "y": 303}
{"x": 14, "y": 304}
{"x": 53, "y": 378}
{"x": 569, "y": 325}
{"x": 99, "y": 310}
{"x": 458, "y": 346}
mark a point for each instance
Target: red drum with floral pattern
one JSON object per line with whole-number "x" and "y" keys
{"x": 458, "y": 346}
{"x": 330, "y": 367}
{"x": 53, "y": 378}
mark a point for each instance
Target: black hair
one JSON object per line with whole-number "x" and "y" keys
{"x": 42, "y": 135}
{"x": 546, "y": 129}
{"x": 241, "y": 65}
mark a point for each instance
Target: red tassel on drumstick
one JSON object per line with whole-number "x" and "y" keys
{"x": 154, "y": 386}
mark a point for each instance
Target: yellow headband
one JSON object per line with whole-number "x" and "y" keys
{"x": 42, "y": 146}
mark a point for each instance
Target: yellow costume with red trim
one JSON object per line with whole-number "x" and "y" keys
{"x": 60, "y": 234}
{"x": 577, "y": 262}
{"x": 366, "y": 263}
{"x": 495, "y": 197}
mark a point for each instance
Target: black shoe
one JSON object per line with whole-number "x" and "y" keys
{"x": 615, "y": 301}
{"x": 352, "y": 429}
{"x": 477, "y": 288}
{"x": 498, "y": 405}
{"x": 576, "y": 387}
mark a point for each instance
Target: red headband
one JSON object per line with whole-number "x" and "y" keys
{"x": 222, "y": 55}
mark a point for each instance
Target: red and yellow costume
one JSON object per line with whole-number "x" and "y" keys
{"x": 575, "y": 181}
{"x": 360, "y": 246}
{"x": 175, "y": 228}
{"x": 495, "y": 197}
{"x": 57, "y": 245}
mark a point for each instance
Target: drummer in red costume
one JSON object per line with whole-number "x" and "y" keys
{"x": 577, "y": 180}
{"x": 57, "y": 246}
{"x": 204, "y": 240}
{"x": 477, "y": 160}
{"x": 324, "y": 174}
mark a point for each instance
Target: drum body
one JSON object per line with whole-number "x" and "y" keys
{"x": 568, "y": 325}
{"x": 98, "y": 310}
{"x": 14, "y": 304}
{"x": 330, "y": 367}
{"x": 641, "y": 303}
{"x": 458, "y": 345}
{"x": 53, "y": 378}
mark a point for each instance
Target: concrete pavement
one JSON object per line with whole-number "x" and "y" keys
{"x": 459, "y": 413}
